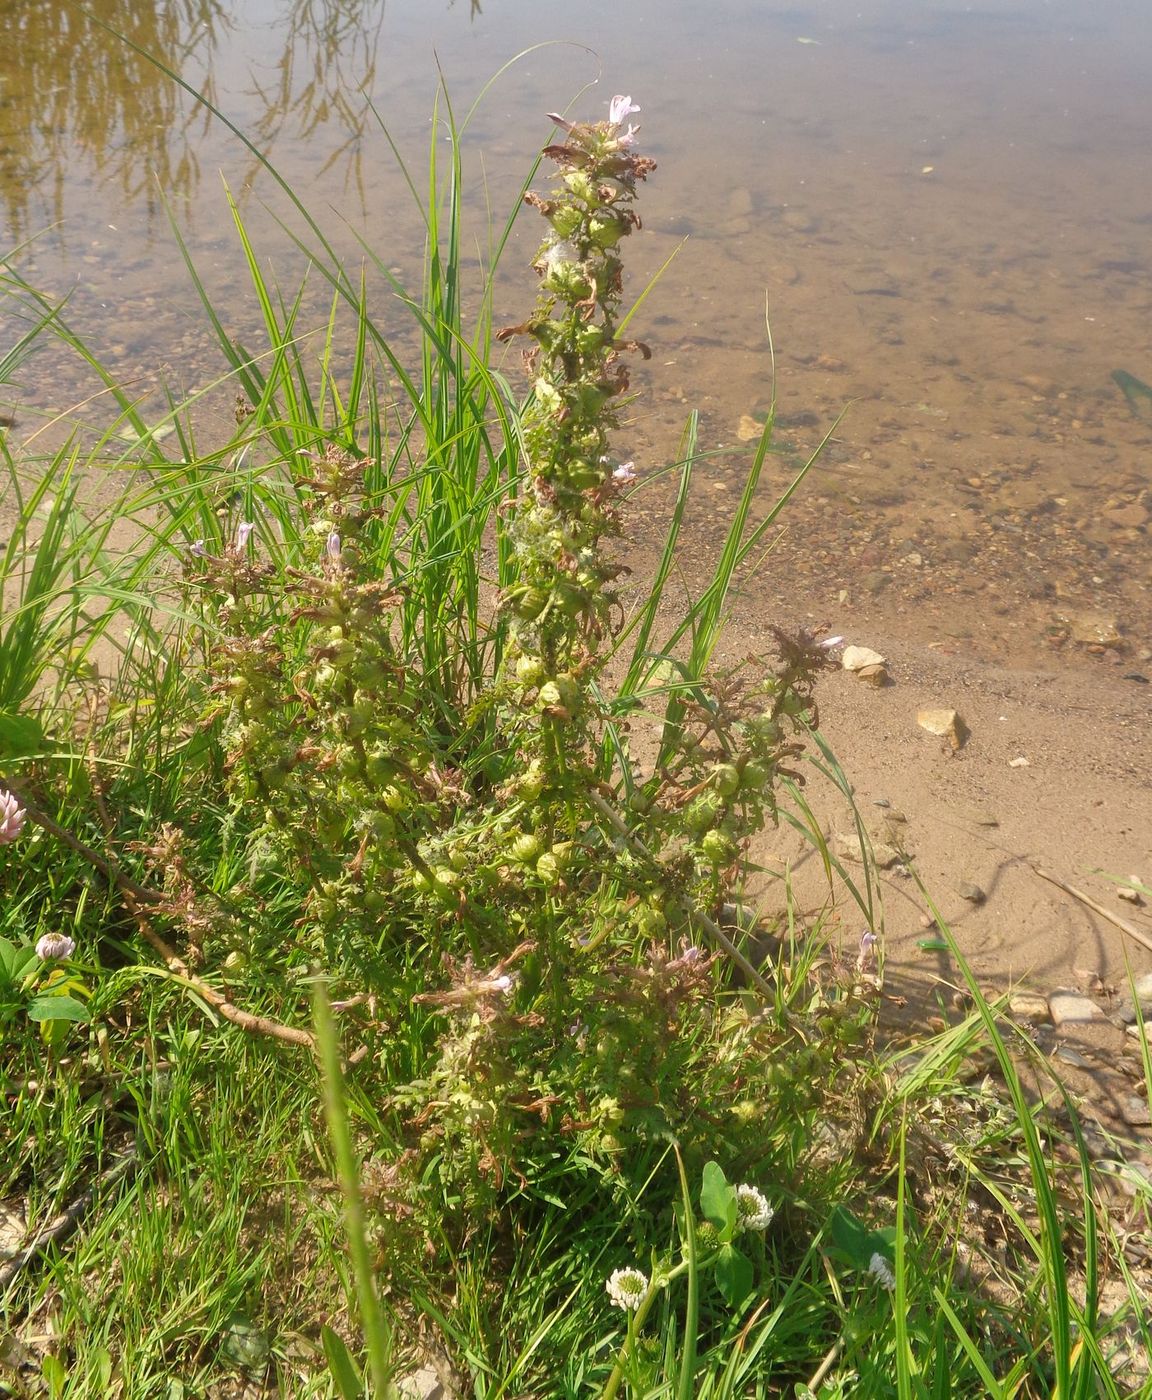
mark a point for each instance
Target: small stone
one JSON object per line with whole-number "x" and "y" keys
{"x": 1133, "y": 1178}
{"x": 1132, "y": 896}
{"x": 850, "y": 848}
{"x": 1072, "y": 1057}
{"x": 1020, "y": 762}
{"x": 1029, "y": 1006}
{"x": 740, "y": 202}
{"x": 749, "y": 429}
{"x": 856, "y": 658}
{"x": 1126, "y": 1011}
{"x": 875, "y": 676}
{"x": 1135, "y": 1028}
{"x": 915, "y": 559}
{"x": 1092, "y": 629}
{"x": 946, "y": 724}
{"x": 423, "y": 1384}
{"x": 927, "y": 921}
{"x": 982, "y": 818}
{"x": 972, "y": 893}
{"x": 1070, "y": 1008}
{"x": 1136, "y": 1112}
{"x": 1127, "y": 517}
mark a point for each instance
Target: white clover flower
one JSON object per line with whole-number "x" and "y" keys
{"x": 619, "y": 108}
{"x": 627, "y": 1288}
{"x": 12, "y": 817}
{"x": 54, "y": 947}
{"x": 881, "y": 1271}
{"x": 752, "y": 1209}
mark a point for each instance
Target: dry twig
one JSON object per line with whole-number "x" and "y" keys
{"x": 1130, "y": 929}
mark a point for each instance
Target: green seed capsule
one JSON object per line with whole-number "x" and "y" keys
{"x": 719, "y": 848}
{"x": 726, "y": 779}
{"x": 527, "y": 848}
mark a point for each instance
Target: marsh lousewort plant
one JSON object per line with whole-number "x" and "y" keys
{"x": 491, "y": 851}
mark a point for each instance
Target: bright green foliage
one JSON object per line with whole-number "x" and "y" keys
{"x": 373, "y": 712}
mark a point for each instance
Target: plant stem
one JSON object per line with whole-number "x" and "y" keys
{"x": 377, "y": 1334}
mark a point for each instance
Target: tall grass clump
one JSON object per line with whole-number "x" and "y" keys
{"x": 378, "y": 759}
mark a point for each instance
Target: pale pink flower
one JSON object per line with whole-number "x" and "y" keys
{"x": 11, "y": 818}
{"x": 244, "y": 533}
{"x": 55, "y": 947}
{"x": 624, "y": 474}
{"x": 868, "y": 941}
{"x": 619, "y": 108}
{"x": 332, "y": 546}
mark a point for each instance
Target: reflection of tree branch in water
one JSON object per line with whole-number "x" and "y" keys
{"x": 333, "y": 43}
{"x": 72, "y": 88}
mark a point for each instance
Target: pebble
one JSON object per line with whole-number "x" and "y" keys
{"x": 875, "y": 676}
{"x": 850, "y": 848}
{"x": 1093, "y": 629}
{"x": 1142, "y": 988}
{"x": 1070, "y": 1008}
{"x": 1133, "y": 1178}
{"x": 1132, "y": 896}
{"x": 856, "y": 658}
{"x": 1072, "y": 1057}
{"x": 1136, "y": 1112}
{"x": 424, "y": 1384}
{"x": 947, "y": 724}
{"x": 972, "y": 893}
{"x": 1029, "y": 1006}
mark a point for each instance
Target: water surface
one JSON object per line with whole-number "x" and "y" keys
{"x": 947, "y": 206}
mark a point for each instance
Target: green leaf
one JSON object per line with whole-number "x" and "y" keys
{"x": 855, "y": 1243}
{"x": 733, "y": 1275}
{"x": 52, "y": 1369}
{"x": 54, "y": 1008}
{"x": 20, "y": 735}
{"x": 12, "y": 959}
{"x": 341, "y": 1365}
{"x": 718, "y": 1200}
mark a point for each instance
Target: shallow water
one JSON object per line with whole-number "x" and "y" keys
{"x": 947, "y": 206}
